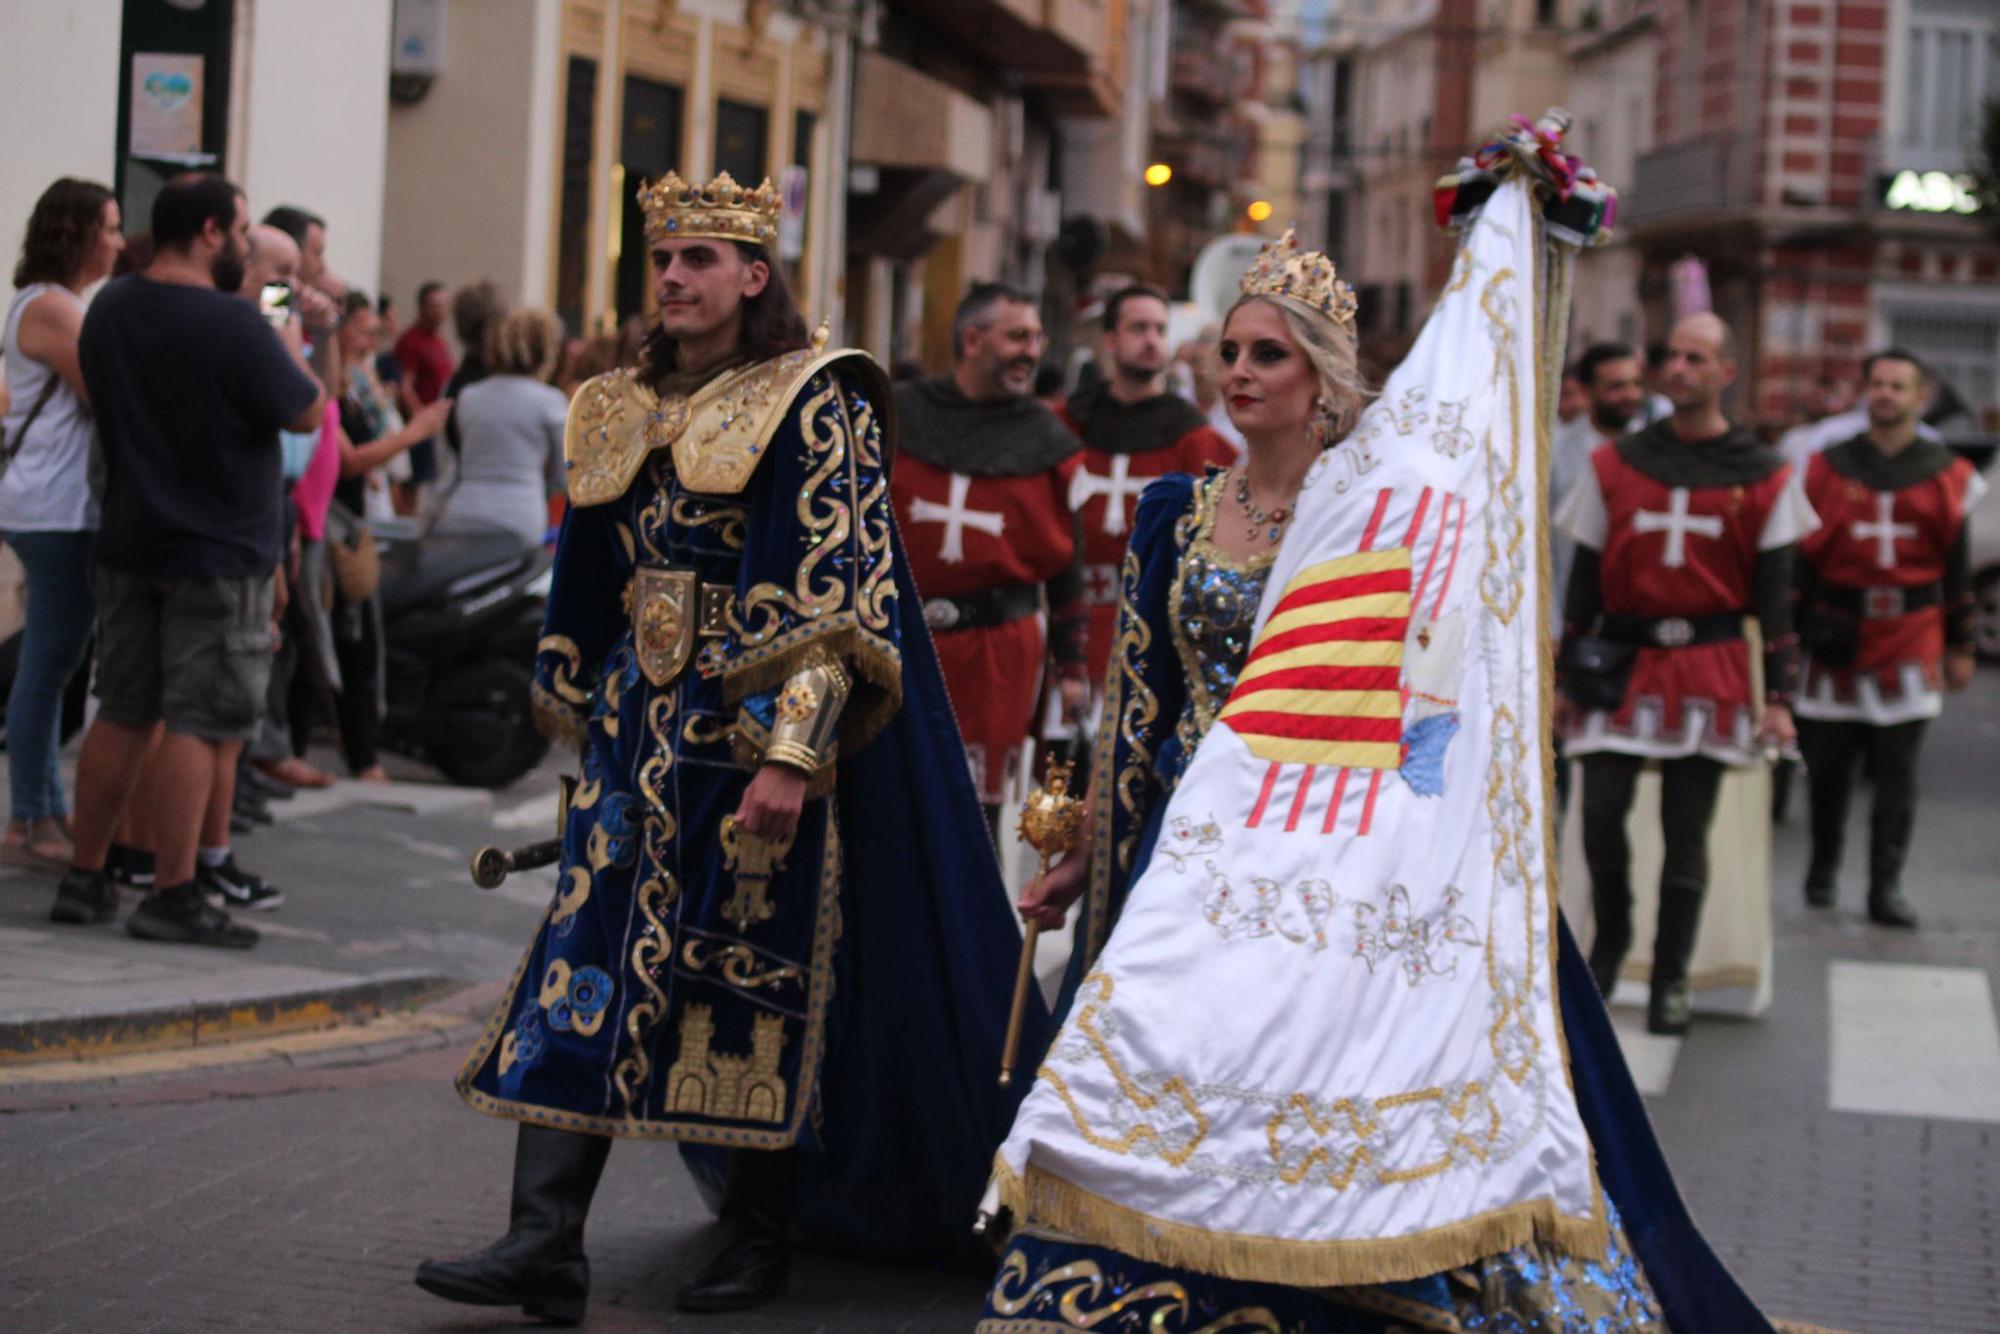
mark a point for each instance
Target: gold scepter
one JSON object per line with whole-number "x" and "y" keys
{"x": 1050, "y": 820}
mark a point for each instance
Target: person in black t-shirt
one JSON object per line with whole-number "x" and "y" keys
{"x": 191, "y": 386}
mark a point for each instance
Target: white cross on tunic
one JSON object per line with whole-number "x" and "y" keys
{"x": 1114, "y": 488}
{"x": 956, "y": 518}
{"x": 1677, "y": 523}
{"x": 1884, "y": 531}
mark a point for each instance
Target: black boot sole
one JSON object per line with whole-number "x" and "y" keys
{"x": 697, "y": 1303}
{"x": 563, "y": 1310}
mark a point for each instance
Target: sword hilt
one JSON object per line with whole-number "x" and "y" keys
{"x": 492, "y": 866}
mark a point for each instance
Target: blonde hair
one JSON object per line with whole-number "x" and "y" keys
{"x": 524, "y": 342}
{"x": 1335, "y": 358}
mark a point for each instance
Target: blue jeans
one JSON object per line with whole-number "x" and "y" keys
{"x": 60, "y": 611}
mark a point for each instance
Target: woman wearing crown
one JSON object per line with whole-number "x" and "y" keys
{"x": 773, "y": 817}
{"x": 1320, "y": 1070}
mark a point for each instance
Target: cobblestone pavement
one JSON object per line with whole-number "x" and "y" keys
{"x": 298, "y": 1194}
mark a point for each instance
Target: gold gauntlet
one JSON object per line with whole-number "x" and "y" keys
{"x": 808, "y": 717}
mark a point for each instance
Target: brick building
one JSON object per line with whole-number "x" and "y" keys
{"x": 1809, "y": 153}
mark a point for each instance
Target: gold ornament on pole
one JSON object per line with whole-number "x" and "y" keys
{"x": 1051, "y": 819}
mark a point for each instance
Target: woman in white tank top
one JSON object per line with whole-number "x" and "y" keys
{"x": 48, "y": 505}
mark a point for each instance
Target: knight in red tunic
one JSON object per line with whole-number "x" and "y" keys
{"x": 1885, "y": 614}
{"x": 1133, "y": 430}
{"x": 1682, "y": 530}
{"x": 981, "y": 491}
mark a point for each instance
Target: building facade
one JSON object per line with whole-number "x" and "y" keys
{"x": 1810, "y": 156}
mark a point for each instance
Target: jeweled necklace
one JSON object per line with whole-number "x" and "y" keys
{"x": 1272, "y": 525}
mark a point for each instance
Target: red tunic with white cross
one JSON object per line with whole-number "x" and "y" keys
{"x": 1879, "y": 539}
{"x": 1688, "y": 552}
{"x": 965, "y": 535}
{"x": 1105, "y": 493}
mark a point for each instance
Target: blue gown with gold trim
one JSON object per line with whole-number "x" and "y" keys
{"x": 1186, "y": 615}
{"x": 844, "y": 993}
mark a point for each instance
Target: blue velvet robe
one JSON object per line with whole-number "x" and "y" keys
{"x": 849, "y": 1000}
{"x": 1162, "y": 690}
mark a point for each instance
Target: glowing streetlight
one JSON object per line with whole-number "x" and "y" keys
{"x": 1159, "y": 174}
{"x": 1259, "y": 210}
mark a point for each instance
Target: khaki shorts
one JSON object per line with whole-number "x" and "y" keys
{"x": 195, "y": 653}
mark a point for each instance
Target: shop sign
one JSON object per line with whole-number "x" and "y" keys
{"x": 1929, "y": 192}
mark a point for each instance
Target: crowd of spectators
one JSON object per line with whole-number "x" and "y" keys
{"x": 195, "y": 456}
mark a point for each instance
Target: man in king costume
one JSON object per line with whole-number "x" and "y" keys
{"x": 982, "y": 486}
{"x": 1885, "y": 607}
{"x": 1133, "y": 430}
{"x": 779, "y": 936}
{"x": 1682, "y": 530}
{"x": 1335, "y": 1067}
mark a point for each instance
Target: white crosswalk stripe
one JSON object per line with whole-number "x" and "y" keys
{"x": 1909, "y": 1040}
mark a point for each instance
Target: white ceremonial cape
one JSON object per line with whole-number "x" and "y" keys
{"x": 1322, "y": 1044}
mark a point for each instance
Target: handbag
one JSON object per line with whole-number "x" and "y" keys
{"x": 1596, "y": 671}
{"x": 357, "y": 564}
{"x": 21, "y": 435}
{"x": 1831, "y": 636}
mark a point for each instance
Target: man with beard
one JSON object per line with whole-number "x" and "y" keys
{"x": 190, "y": 386}
{"x": 780, "y": 939}
{"x": 1133, "y": 430}
{"x": 1885, "y": 615}
{"x": 1682, "y": 531}
{"x": 982, "y": 494}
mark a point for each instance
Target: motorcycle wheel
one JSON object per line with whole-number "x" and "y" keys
{"x": 485, "y": 725}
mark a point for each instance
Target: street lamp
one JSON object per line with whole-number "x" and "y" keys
{"x": 1159, "y": 174}
{"x": 1259, "y": 210}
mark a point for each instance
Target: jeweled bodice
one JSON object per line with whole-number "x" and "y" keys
{"x": 1215, "y": 600}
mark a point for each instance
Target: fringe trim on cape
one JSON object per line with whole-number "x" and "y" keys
{"x": 1045, "y": 1200}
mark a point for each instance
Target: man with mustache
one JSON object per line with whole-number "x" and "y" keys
{"x": 1682, "y": 530}
{"x": 982, "y": 494}
{"x": 1885, "y": 607}
{"x": 1133, "y": 430}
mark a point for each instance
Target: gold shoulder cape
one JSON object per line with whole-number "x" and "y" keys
{"x": 718, "y": 433}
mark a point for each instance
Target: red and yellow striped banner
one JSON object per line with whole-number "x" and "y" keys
{"x": 1323, "y": 685}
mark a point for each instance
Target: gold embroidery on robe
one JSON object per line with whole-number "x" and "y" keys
{"x": 718, "y": 434}
{"x": 754, "y": 860}
{"x": 704, "y": 1082}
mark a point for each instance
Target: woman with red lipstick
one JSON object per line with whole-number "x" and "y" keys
{"x": 1179, "y": 1167}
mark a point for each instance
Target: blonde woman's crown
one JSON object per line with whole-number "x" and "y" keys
{"x": 722, "y": 210}
{"x": 1282, "y": 269}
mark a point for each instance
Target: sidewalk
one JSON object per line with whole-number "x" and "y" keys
{"x": 380, "y": 916}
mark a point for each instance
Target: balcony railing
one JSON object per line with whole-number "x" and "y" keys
{"x": 1713, "y": 174}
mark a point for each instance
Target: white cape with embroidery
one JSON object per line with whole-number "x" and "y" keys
{"x": 1322, "y": 1046}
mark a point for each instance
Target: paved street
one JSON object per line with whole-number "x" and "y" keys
{"x": 1840, "y": 1151}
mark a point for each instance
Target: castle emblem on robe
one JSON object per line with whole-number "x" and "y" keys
{"x": 703, "y": 1082}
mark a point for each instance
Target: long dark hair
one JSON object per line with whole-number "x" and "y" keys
{"x": 61, "y": 231}
{"x": 772, "y": 325}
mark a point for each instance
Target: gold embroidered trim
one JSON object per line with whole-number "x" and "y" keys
{"x": 562, "y": 724}
{"x": 826, "y": 935}
{"x": 1042, "y": 1199}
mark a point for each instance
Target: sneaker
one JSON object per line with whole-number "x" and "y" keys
{"x": 230, "y": 886}
{"x": 129, "y": 867}
{"x": 84, "y": 898}
{"x": 181, "y": 916}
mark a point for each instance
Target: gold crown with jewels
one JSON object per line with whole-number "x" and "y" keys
{"x": 1282, "y": 269}
{"x": 722, "y": 210}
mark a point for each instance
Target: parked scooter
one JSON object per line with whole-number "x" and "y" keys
{"x": 461, "y": 615}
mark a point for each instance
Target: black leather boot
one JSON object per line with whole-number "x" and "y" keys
{"x": 539, "y": 1265}
{"x": 1888, "y": 845}
{"x": 755, "y": 1258}
{"x": 1668, "y": 1009}
{"x": 1611, "y": 901}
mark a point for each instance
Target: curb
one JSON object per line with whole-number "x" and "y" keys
{"x": 200, "y": 1023}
